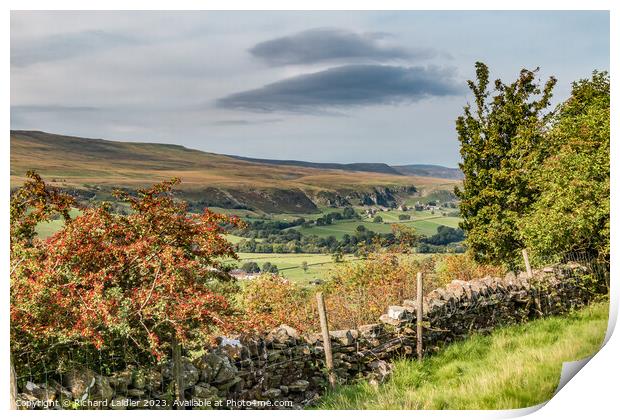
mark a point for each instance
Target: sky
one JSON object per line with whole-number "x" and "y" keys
{"x": 317, "y": 86}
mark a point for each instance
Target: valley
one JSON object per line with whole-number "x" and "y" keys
{"x": 303, "y": 218}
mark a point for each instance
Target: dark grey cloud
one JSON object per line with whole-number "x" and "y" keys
{"x": 317, "y": 45}
{"x": 346, "y": 86}
{"x": 63, "y": 46}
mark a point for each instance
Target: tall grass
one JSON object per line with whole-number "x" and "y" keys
{"x": 514, "y": 367}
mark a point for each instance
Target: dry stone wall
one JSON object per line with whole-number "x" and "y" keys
{"x": 285, "y": 366}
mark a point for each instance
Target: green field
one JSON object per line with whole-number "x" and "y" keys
{"x": 440, "y": 194}
{"x": 289, "y": 265}
{"x": 514, "y": 367}
{"x": 308, "y": 216}
{"x": 423, "y": 222}
{"x": 233, "y": 239}
{"x": 250, "y": 215}
{"x": 46, "y": 229}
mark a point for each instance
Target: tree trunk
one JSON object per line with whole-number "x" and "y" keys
{"x": 177, "y": 373}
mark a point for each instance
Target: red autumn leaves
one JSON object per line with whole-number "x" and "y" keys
{"x": 147, "y": 277}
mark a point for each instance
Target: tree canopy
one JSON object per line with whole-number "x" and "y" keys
{"x": 571, "y": 212}
{"x": 500, "y": 136}
{"x": 533, "y": 178}
{"x": 147, "y": 278}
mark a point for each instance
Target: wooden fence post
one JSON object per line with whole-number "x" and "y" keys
{"x": 419, "y": 315}
{"x": 327, "y": 344}
{"x": 528, "y": 268}
{"x": 177, "y": 373}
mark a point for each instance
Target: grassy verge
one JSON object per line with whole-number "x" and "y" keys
{"x": 514, "y": 367}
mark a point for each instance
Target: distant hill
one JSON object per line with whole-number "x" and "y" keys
{"x": 91, "y": 168}
{"x": 426, "y": 170}
{"x": 358, "y": 167}
{"x": 434, "y": 171}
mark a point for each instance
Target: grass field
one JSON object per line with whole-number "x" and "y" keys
{"x": 47, "y": 229}
{"x": 290, "y": 264}
{"x": 514, "y": 367}
{"x": 233, "y": 239}
{"x": 424, "y": 223}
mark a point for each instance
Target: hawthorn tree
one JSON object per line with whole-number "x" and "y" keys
{"x": 146, "y": 279}
{"x": 502, "y": 139}
{"x": 33, "y": 203}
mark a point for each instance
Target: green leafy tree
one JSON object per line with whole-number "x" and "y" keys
{"x": 501, "y": 136}
{"x": 349, "y": 213}
{"x": 572, "y": 212}
{"x": 250, "y": 267}
{"x": 405, "y": 237}
{"x": 337, "y": 256}
{"x": 269, "y": 268}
